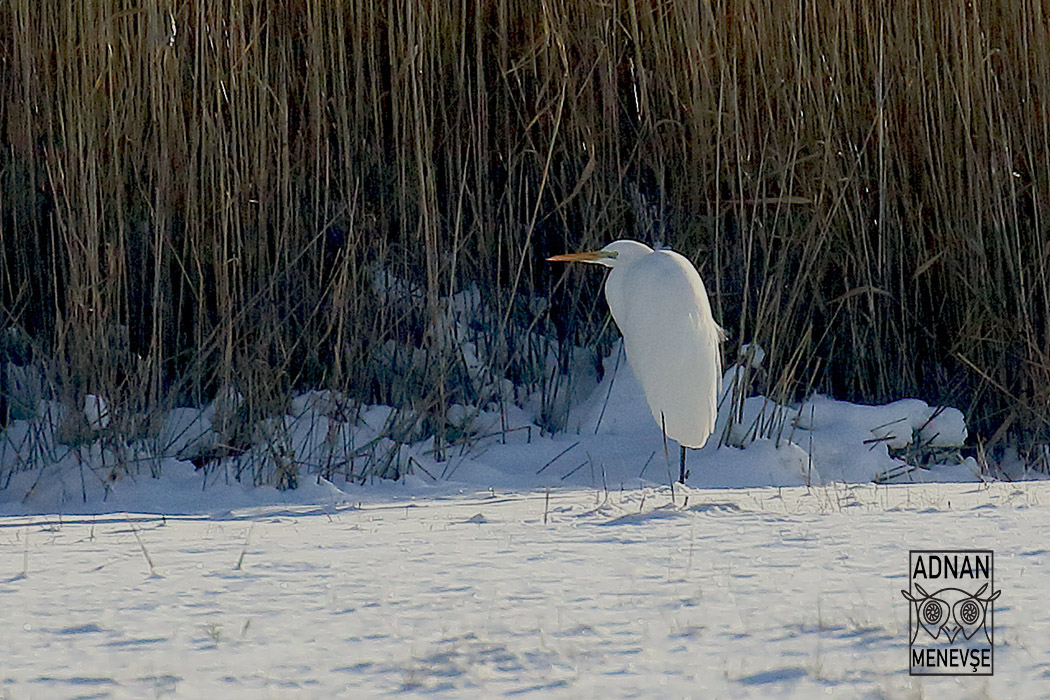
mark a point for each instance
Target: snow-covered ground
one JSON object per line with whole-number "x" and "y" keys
{"x": 611, "y": 442}
{"x": 521, "y": 562}
{"x": 770, "y": 592}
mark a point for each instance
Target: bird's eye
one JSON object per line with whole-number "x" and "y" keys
{"x": 969, "y": 612}
{"x": 932, "y": 612}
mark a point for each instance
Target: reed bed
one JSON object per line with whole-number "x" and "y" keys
{"x": 199, "y": 195}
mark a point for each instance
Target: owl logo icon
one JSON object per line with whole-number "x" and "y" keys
{"x": 951, "y": 612}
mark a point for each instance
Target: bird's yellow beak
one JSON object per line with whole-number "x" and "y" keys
{"x": 591, "y": 256}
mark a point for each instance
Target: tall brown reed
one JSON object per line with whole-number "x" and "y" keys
{"x": 200, "y": 194}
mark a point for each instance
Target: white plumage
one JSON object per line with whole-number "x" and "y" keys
{"x": 661, "y": 307}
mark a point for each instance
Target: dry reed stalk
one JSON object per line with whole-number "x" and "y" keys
{"x": 199, "y": 195}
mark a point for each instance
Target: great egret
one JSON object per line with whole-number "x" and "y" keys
{"x": 659, "y": 302}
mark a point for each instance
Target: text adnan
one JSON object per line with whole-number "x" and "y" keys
{"x": 935, "y": 566}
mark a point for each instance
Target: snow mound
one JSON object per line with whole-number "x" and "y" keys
{"x": 328, "y": 448}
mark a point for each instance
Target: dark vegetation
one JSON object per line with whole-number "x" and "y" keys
{"x": 201, "y": 194}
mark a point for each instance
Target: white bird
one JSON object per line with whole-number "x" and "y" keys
{"x": 660, "y": 304}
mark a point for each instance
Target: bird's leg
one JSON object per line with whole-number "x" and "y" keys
{"x": 682, "y": 473}
{"x": 663, "y": 429}
{"x": 667, "y": 454}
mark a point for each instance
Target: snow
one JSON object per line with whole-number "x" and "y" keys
{"x": 96, "y": 412}
{"x": 749, "y": 593}
{"x": 518, "y": 563}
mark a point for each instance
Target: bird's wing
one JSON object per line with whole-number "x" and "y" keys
{"x": 671, "y": 338}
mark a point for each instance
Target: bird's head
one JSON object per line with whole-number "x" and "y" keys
{"x": 615, "y": 254}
